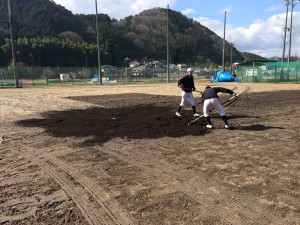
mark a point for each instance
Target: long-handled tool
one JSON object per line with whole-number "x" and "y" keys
{"x": 189, "y": 89}
{"x": 226, "y": 103}
{"x": 194, "y": 120}
{"x": 229, "y": 101}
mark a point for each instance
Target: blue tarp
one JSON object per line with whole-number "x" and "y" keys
{"x": 223, "y": 76}
{"x": 95, "y": 80}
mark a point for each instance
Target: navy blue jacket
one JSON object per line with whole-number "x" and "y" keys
{"x": 187, "y": 83}
{"x": 213, "y": 92}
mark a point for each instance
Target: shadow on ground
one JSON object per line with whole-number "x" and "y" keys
{"x": 257, "y": 127}
{"x": 131, "y": 116}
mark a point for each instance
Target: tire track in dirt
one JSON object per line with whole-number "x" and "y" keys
{"x": 83, "y": 199}
{"x": 205, "y": 195}
{"x": 239, "y": 209}
{"x": 96, "y": 205}
{"x": 154, "y": 169}
{"x": 111, "y": 208}
{"x": 9, "y": 165}
{"x": 224, "y": 194}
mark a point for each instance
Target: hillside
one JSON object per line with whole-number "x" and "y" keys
{"x": 253, "y": 57}
{"x": 137, "y": 37}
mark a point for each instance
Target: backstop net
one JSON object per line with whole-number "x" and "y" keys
{"x": 270, "y": 72}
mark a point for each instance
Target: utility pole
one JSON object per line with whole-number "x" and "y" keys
{"x": 231, "y": 46}
{"x": 168, "y": 57}
{"x": 291, "y": 29}
{"x": 223, "y": 53}
{"x": 285, "y": 29}
{"x": 99, "y": 56}
{"x": 12, "y": 43}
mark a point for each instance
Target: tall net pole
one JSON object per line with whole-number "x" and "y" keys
{"x": 291, "y": 29}
{"x": 98, "y": 47}
{"x": 223, "y": 51}
{"x": 168, "y": 56}
{"x": 12, "y": 43}
{"x": 285, "y": 29}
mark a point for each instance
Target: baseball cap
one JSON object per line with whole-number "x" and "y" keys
{"x": 190, "y": 70}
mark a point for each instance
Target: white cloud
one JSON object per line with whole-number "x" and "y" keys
{"x": 78, "y": 6}
{"x": 141, "y": 5}
{"x": 118, "y": 10}
{"x": 262, "y": 37}
{"x": 188, "y": 11}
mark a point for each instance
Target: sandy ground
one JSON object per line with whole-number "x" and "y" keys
{"x": 118, "y": 155}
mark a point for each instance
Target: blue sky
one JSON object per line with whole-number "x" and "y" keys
{"x": 239, "y": 12}
{"x": 255, "y": 26}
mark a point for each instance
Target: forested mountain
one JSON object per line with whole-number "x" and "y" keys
{"x": 253, "y": 57}
{"x": 47, "y": 34}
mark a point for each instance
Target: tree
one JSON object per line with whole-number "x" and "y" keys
{"x": 72, "y": 36}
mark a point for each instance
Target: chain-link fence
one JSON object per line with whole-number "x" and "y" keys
{"x": 37, "y": 76}
{"x": 270, "y": 72}
{"x": 46, "y": 76}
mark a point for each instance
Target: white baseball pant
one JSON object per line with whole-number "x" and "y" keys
{"x": 210, "y": 104}
{"x": 187, "y": 96}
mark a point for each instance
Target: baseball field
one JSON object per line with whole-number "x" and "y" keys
{"x": 117, "y": 154}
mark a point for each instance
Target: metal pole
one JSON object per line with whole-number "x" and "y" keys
{"x": 285, "y": 28}
{"x": 97, "y": 31}
{"x": 12, "y": 43}
{"x": 291, "y": 29}
{"x": 223, "y": 55}
{"x": 231, "y": 45}
{"x": 168, "y": 72}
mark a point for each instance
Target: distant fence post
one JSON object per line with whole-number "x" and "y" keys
{"x": 47, "y": 76}
{"x": 2, "y": 79}
{"x": 126, "y": 74}
{"x": 297, "y": 71}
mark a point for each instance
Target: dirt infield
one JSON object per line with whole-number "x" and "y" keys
{"x": 119, "y": 155}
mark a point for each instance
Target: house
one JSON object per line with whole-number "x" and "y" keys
{"x": 65, "y": 77}
{"x": 134, "y": 64}
{"x": 181, "y": 67}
